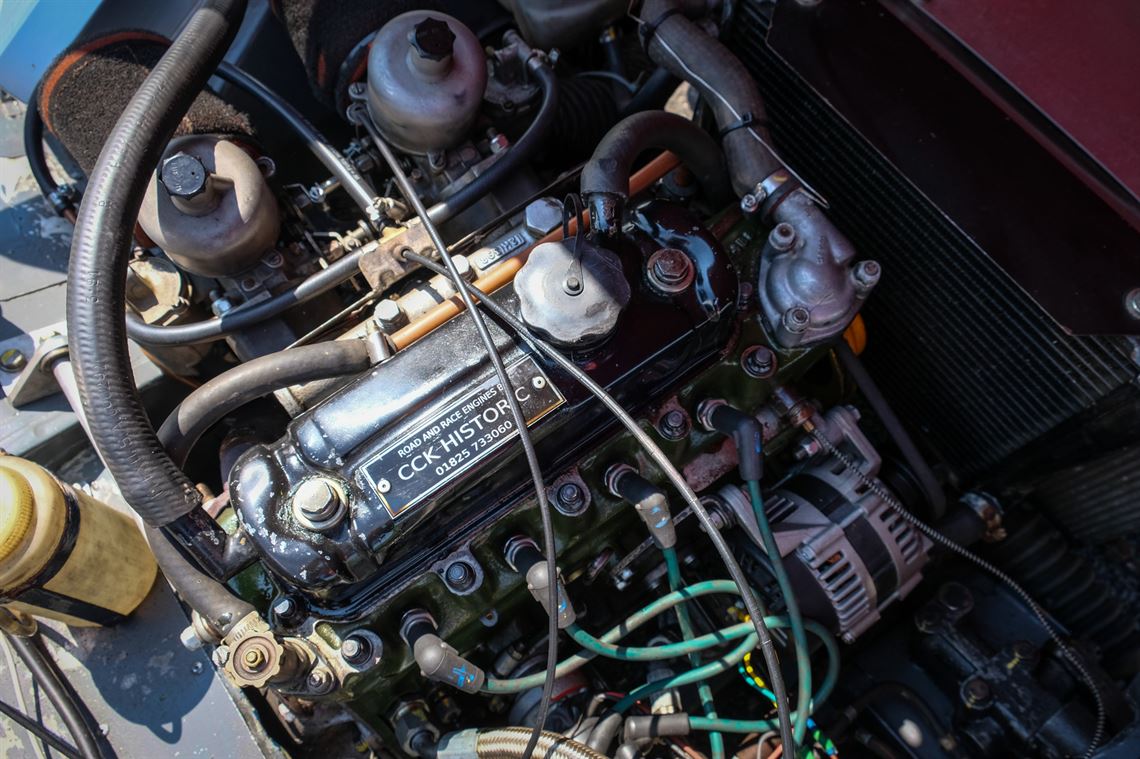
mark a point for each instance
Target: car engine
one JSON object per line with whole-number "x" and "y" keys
{"x": 578, "y": 379}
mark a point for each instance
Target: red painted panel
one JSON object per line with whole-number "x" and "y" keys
{"x": 1078, "y": 62}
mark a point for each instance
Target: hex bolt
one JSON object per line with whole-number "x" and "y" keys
{"x": 571, "y": 497}
{"x": 249, "y": 284}
{"x": 389, "y": 316}
{"x": 459, "y": 576}
{"x": 1132, "y": 303}
{"x": 1023, "y": 651}
{"x": 463, "y": 266}
{"x": 796, "y": 319}
{"x": 806, "y": 448}
{"x": 13, "y": 360}
{"x": 320, "y": 680}
{"x": 758, "y": 362}
{"x": 221, "y": 306}
{"x": 674, "y": 425}
{"x": 317, "y": 503}
{"x": 670, "y": 270}
{"x": 782, "y": 236}
{"x": 183, "y": 176}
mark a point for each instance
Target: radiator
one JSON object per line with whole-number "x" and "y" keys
{"x": 969, "y": 361}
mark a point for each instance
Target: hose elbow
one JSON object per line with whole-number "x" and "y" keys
{"x": 605, "y": 177}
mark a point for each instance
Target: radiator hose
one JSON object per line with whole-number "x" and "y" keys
{"x": 605, "y": 177}
{"x": 685, "y": 50}
{"x": 149, "y": 480}
{"x": 249, "y": 381}
{"x": 151, "y": 483}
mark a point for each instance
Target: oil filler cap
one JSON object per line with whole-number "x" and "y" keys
{"x": 572, "y": 293}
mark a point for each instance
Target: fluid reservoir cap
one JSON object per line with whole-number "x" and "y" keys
{"x": 183, "y": 175}
{"x": 432, "y": 38}
{"x": 17, "y": 512}
{"x": 571, "y": 305}
{"x": 427, "y": 73}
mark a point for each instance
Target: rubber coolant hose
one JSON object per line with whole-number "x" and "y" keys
{"x": 202, "y": 593}
{"x": 249, "y": 381}
{"x": 605, "y": 177}
{"x": 150, "y": 481}
{"x": 682, "y": 47}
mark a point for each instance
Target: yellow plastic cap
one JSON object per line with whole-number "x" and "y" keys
{"x": 17, "y": 509}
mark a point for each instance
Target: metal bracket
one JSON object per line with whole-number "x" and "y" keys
{"x": 36, "y": 380}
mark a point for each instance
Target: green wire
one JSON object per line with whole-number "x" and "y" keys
{"x": 733, "y": 658}
{"x": 659, "y": 606}
{"x": 799, "y": 636}
{"x": 634, "y": 621}
{"x": 744, "y": 726}
{"x": 830, "y": 678}
{"x": 695, "y": 675}
{"x": 662, "y": 652}
{"x": 685, "y": 622}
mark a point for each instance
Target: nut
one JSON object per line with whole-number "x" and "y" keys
{"x": 796, "y": 319}
{"x": 670, "y": 270}
{"x": 866, "y": 274}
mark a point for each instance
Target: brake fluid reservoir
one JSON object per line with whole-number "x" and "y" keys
{"x": 426, "y": 78}
{"x": 65, "y": 555}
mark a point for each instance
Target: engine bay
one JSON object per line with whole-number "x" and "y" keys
{"x": 516, "y": 393}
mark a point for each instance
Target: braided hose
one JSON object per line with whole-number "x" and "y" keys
{"x": 511, "y": 743}
{"x": 1066, "y": 650}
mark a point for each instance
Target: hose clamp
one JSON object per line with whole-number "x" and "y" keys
{"x": 773, "y": 190}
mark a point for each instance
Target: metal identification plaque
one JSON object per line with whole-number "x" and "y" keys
{"x": 450, "y": 442}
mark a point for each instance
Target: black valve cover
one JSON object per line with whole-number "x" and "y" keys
{"x": 424, "y": 445}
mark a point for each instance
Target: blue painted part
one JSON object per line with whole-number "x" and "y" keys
{"x": 32, "y": 34}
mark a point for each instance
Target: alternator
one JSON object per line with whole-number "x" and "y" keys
{"x": 847, "y": 552}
